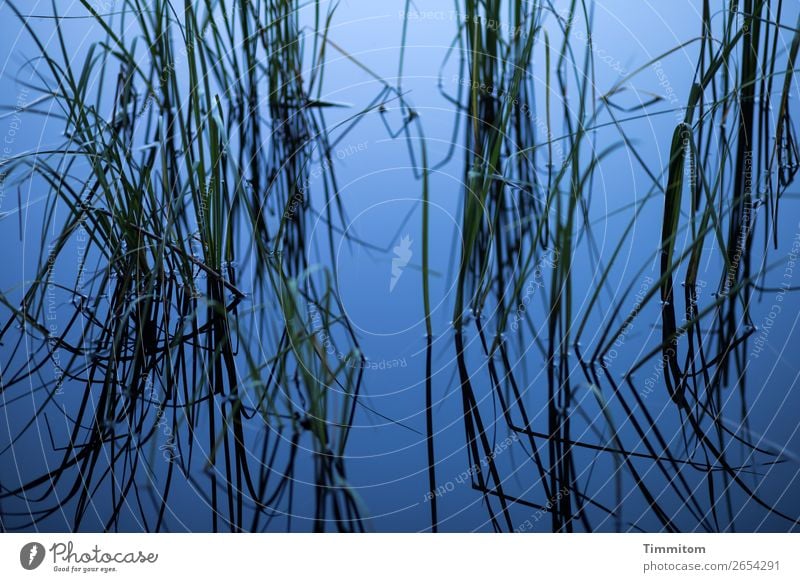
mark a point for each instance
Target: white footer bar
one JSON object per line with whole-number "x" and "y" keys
{"x": 401, "y": 557}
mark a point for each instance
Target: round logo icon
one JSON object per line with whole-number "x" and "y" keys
{"x": 31, "y": 555}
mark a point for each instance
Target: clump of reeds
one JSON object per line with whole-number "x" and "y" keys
{"x": 165, "y": 176}
{"x": 524, "y": 202}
